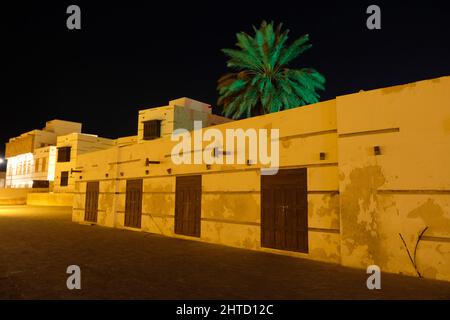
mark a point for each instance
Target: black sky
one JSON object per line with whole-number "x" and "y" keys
{"x": 133, "y": 55}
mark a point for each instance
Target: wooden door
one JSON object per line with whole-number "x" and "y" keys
{"x": 188, "y": 205}
{"x": 91, "y": 205}
{"x": 133, "y": 204}
{"x": 284, "y": 210}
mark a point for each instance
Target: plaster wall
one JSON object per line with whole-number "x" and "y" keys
{"x": 230, "y": 193}
{"x": 180, "y": 113}
{"x": 80, "y": 143}
{"x": 50, "y": 199}
{"x": 359, "y": 202}
{"x": 403, "y": 190}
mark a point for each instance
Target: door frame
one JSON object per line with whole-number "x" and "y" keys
{"x": 91, "y": 208}
{"x": 133, "y": 203}
{"x": 284, "y": 210}
{"x": 187, "y": 222}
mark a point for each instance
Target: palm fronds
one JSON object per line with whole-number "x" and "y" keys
{"x": 262, "y": 82}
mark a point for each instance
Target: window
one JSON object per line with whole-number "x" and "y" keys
{"x": 152, "y": 129}
{"x": 64, "y": 182}
{"x": 36, "y": 164}
{"x": 64, "y": 154}
{"x": 44, "y": 164}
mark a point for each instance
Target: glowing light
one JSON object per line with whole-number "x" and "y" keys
{"x": 51, "y": 163}
{"x": 20, "y": 171}
{"x": 2, "y": 160}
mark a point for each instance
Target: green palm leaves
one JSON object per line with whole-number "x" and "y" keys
{"x": 262, "y": 82}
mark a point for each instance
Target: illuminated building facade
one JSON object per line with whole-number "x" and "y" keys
{"x": 47, "y": 158}
{"x": 69, "y": 147}
{"x": 32, "y": 155}
{"x": 355, "y": 173}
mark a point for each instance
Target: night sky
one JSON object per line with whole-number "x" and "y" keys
{"x": 134, "y": 55}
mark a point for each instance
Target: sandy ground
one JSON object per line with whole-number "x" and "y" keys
{"x": 38, "y": 243}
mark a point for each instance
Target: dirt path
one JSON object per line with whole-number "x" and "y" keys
{"x": 37, "y": 244}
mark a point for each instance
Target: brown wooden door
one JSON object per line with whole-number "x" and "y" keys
{"x": 284, "y": 210}
{"x": 188, "y": 205}
{"x": 91, "y": 205}
{"x": 133, "y": 204}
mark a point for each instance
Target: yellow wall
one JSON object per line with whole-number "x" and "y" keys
{"x": 230, "y": 193}
{"x": 358, "y": 203}
{"x": 50, "y": 199}
{"x": 16, "y": 196}
{"x": 180, "y": 113}
{"x": 80, "y": 143}
{"x": 19, "y": 145}
{"x": 403, "y": 190}
{"x": 28, "y": 141}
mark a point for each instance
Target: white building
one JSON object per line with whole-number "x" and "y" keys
{"x": 48, "y": 158}
{"x": 32, "y": 155}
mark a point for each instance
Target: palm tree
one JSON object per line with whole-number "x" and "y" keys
{"x": 262, "y": 82}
